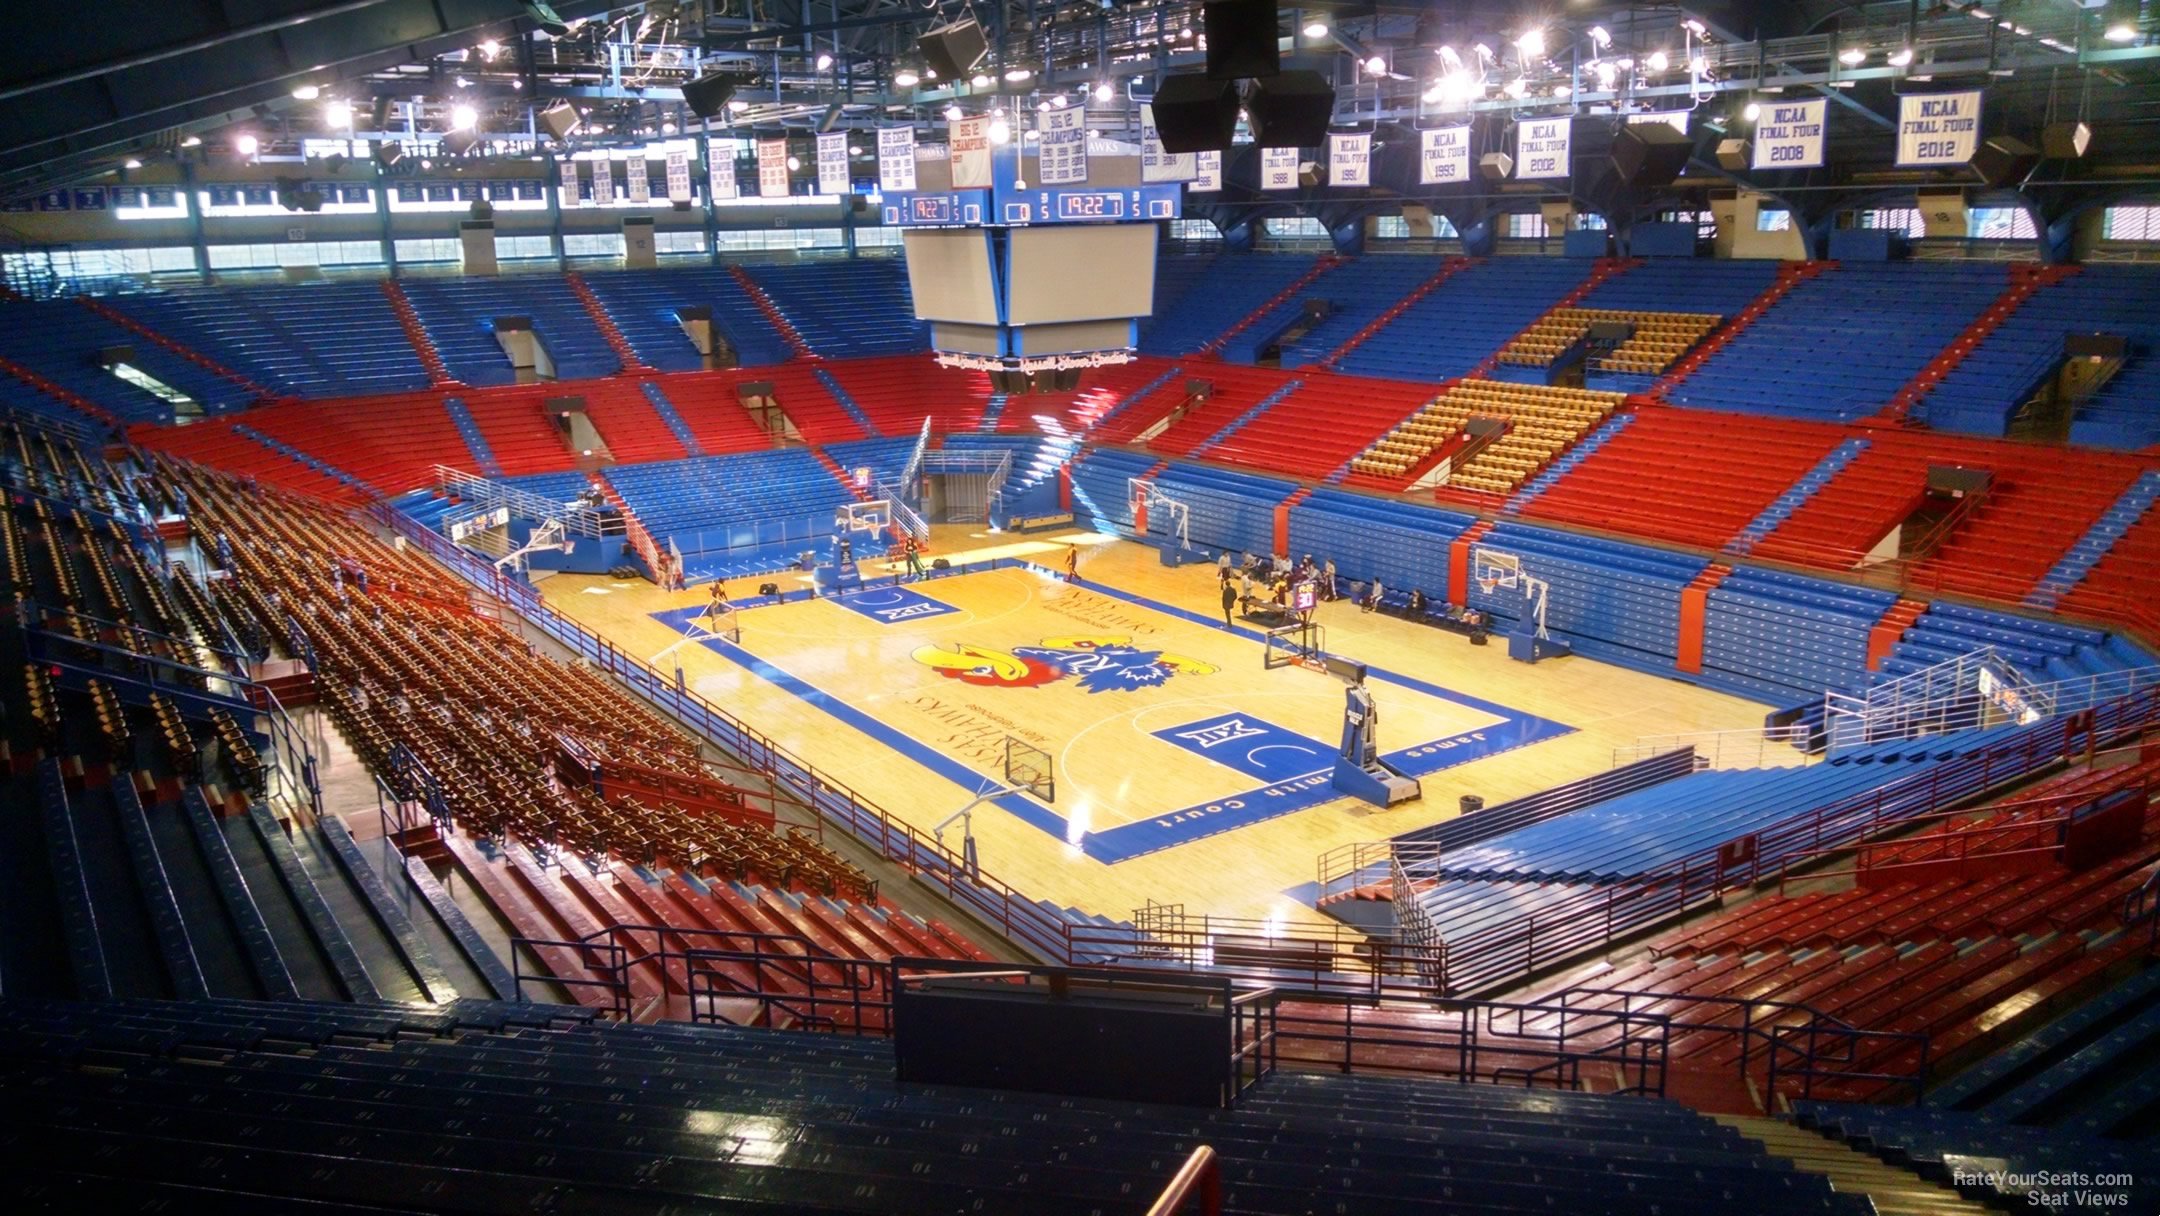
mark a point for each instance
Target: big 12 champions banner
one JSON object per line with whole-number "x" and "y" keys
{"x": 970, "y": 142}
{"x": 1789, "y": 135}
{"x": 896, "y": 159}
{"x": 1938, "y": 128}
{"x": 1444, "y": 156}
{"x": 832, "y": 170}
{"x": 772, "y": 170}
{"x": 1061, "y": 157}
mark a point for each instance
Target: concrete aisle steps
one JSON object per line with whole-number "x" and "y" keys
{"x": 1895, "y": 1192}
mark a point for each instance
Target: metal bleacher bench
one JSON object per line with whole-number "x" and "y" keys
{"x": 1036, "y": 523}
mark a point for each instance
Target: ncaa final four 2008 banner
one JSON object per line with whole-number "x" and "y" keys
{"x": 1789, "y": 135}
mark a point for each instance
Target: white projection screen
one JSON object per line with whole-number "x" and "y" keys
{"x": 949, "y": 273}
{"x": 1081, "y": 272}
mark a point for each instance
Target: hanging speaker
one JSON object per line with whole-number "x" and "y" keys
{"x": 1496, "y": 166}
{"x": 2004, "y": 160}
{"x": 1733, "y": 155}
{"x": 1291, "y": 110}
{"x": 1241, "y": 39}
{"x": 458, "y": 143}
{"x": 708, "y": 94}
{"x": 950, "y": 51}
{"x": 388, "y": 153}
{"x": 561, "y": 119}
{"x": 1195, "y": 114}
{"x": 1648, "y": 155}
{"x": 2065, "y": 140}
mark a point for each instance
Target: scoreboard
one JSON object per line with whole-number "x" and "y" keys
{"x": 1053, "y": 205}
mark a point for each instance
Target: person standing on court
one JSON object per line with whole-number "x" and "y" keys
{"x": 1072, "y": 563}
{"x": 914, "y": 559}
{"x": 1229, "y": 600}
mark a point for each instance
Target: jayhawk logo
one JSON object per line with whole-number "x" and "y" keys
{"x": 1102, "y": 664}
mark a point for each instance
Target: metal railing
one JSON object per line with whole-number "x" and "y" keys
{"x": 1819, "y": 1048}
{"x": 1535, "y": 1043}
{"x": 1746, "y": 748}
{"x": 1973, "y": 690}
{"x": 487, "y": 495}
{"x": 1198, "y": 1181}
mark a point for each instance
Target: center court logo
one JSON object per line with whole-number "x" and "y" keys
{"x": 1101, "y": 663}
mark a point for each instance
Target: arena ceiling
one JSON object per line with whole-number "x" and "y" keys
{"x": 87, "y": 95}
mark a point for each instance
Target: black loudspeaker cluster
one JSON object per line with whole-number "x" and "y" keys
{"x": 1649, "y": 155}
{"x": 294, "y": 194}
{"x": 1198, "y": 111}
{"x": 950, "y": 52}
{"x": 709, "y": 94}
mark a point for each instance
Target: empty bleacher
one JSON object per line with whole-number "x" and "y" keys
{"x": 1853, "y": 335}
{"x": 644, "y": 305}
{"x": 59, "y": 342}
{"x": 511, "y": 1107}
{"x": 719, "y": 504}
{"x": 895, "y": 393}
{"x": 1466, "y": 320}
{"x": 1314, "y": 428}
{"x": 1541, "y": 423}
{"x": 1358, "y": 292}
{"x": 846, "y": 309}
{"x": 1225, "y": 291}
{"x": 314, "y": 340}
{"x": 460, "y": 316}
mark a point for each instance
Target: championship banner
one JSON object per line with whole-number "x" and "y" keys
{"x": 1938, "y": 128}
{"x": 832, "y": 175}
{"x": 1157, "y": 165}
{"x": 1278, "y": 168}
{"x": 572, "y": 196}
{"x": 1541, "y": 148}
{"x": 896, "y": 159}
{"x": 1350, "y": 160}
{"x": 1444, "y": 156}
{"x": 1208, "y": 178}
{"x": 772, "y": 170}
{"x": 1061, "y": 147}
{"x": 603, "y": 183}
{"x": 1789, "y": 135}
{"x": 639, "y": 180}
{"x": 720, "y": 172}
{"x": 1676, "y": 119}
{"x": 969, "y": 140}
{"x": 678, "y": 176}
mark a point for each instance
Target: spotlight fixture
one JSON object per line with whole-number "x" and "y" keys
{"x": 491, "y": 48}
{"x": 824, "y": 62}
{"x": 1900, "y": 57}
{"x": 306, "y": 92}
{"x": 131, "y": 163}
{"x": 1103, "y": 91}
{"x": 1697, "y": 28}
{"x": 463, "y": 118}
{"x": 1016, "y": 75}
{"x": 1658, "y": 61}
{"x": 1852, "y": 57}
{"x": 1058, "y": 101}
{"x": 1751, "y": 111}
{"x": 2119, "y": 20}
{"x": 1375, "y": 66}
{"x": 738, "y": 105}
{"x": 1316, "y": 29}
{"x": 980, "y": 80}
{"x": 192, "y": 141}
{"x": 794, "y": 163}
{"x": 953, "y": 114}
{"x": 1000, "y": 131}
{"x": 1532, "y": 42}
{"x": 1600, "y": 37}
{"x": 906, "y": 80}
{"x": 247, "y": 145}
{"x": 1562, "y": 90}
{"x": 338, "y": 113}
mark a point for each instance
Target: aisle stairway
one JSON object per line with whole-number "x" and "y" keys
{"x": 1790, "y": 275}
{"x": 1894, "y": 1192}
{"x": 631, "y": 364}
{"x": 416, "y": 333}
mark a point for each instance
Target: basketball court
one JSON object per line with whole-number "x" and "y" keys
{"x": 1127, "y": 745}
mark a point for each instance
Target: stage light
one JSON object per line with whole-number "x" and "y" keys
{"x": 427, "y": 164}
{"x": 1532, "y": 42}
{"x": 1752, "y": 112}
{"x": 1103, "y": 92}
{"x": 491, "y": 48}
{"x": 1016, "y": 75}
{"x": 1698, "y": 65}
{"x": 1697, "y": 28}
{"x": 1375, "y": 65}
{"x": 1316, "y": 29}
{"x": 1561, "y": 90}
{"x": 1000, "y": 131}
{"x": 247, "y": 145}
{"x": 980, "y": 80}
{"x": 1600, "y": 37}
{"x": 338, "y": 114}
{"x": 306, "y": 92}
{"x": 1658, "y": 61}
{"x": 738, "y": 105}
{"x": 131, "y": 163}
{"x": 906, "y": 80}
{"x": 192, "y": 141}
{"x": 2120, "y": 31}
{"x": 794, "y": 163}
{"x": 1059, "y": 101}
{"x": 1900, "y": 57}
{"x": 667, "y": 128}
{"x": 824, "y": 62}
{"x": 1518, "y": 87}
{"x": 1605, "y": 74}
{"x": 1852, "y": 57}
{"x": 463, "y": 118}
{"x": 953, "y": 114}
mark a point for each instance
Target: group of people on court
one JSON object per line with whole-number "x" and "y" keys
{"x": 1269, "y": 583}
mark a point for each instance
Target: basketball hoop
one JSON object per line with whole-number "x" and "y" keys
{"x": 1486, "y": 583}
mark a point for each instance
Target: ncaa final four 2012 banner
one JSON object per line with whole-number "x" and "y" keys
{"x": 1789, "y": 135}
{"x": 1938, "y": 128}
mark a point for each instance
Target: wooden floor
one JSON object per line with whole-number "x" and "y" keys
{"x": 1184, "y": 769}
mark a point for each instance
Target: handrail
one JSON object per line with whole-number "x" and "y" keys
{"x": 489, "y": 494}
{"x": 1200, "y": 1177}
{"x": 1711, "y": 746}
